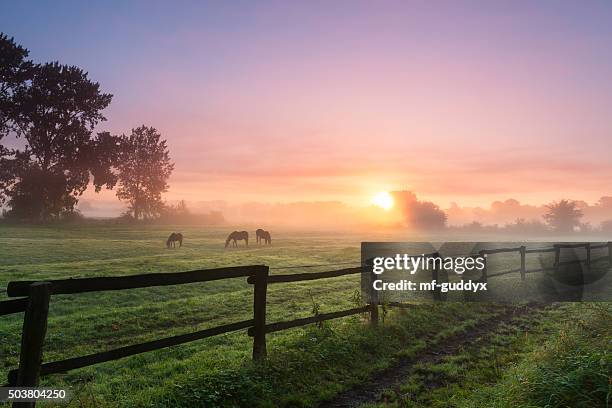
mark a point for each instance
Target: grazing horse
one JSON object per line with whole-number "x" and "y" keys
{"x": 173, "y": 239}
{"x": 237, "y": 236}
{"x": 263, "y": 235}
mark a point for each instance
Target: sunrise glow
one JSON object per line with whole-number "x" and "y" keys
{"x": 383, "y": 200}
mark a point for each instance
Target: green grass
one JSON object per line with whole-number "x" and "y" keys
{"x": 566, "y": 363}
{"x": 559, "y": 357}
{"x": 305, "y": 365}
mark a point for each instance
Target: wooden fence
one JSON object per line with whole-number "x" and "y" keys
{"x": 34, "y": 298}
{"x": 523, "y": 251}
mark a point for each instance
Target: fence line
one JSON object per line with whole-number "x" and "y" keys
{"x": 557, "y": 263}
{"x": 13, "y": 306}
{"x": 35, "y": 304}
{"x": 312, "y": 266}
{"x": 81, "y": 285}
{"x": 311, "y": 276}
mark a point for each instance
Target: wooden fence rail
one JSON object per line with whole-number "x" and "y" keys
{"x": 36, "y": 306}
{"x": 36, "y": 297}
{"x": 523, "y": 251}
{"x": 13, "y": 306}
{"x": 81, "y": 285}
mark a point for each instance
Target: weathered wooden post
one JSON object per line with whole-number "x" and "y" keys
{"x": 435, "y": 276}
{"x": 588, "y": 255}
{"x": 259, "y": 312}
{"x": 374, "y": 314}
{"x": 483, "y": 254}
{"x": 523, "y": 250}
{"x": 373, "y": 294}
{"x": 557, "y": 257}
{"x": 33, "y": 338}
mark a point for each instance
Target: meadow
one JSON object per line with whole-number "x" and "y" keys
{"x": 305, "y": 366}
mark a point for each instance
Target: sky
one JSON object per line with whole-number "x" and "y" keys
{"x": 464, "y": 102}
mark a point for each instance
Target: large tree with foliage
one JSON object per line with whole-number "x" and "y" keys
{"x": 144, "y": 168}
{"x": 15, "y": 72}
{"x": 55, "y": 113}
{"x": 563, "y": 215}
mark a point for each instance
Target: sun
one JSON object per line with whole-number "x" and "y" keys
{"x": 383, "y": 200}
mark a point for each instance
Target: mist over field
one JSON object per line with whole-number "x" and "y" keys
{"x": 190, "y": 192}
{"x": 337, "y": 215}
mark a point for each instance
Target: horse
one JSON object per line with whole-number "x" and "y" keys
{"x": 263, "y": 235}
{"x": 173, "y": 239}
{"x": 237, "y": 236}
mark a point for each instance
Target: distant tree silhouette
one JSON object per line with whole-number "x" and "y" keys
{"x": 421, "y": 215}
{"x": 522, "y": 226}
{"x": 563, "y": 215}
{"x": 144, "y": 168}
{"x": 55, "y": 114}
{"x": 606, "y": 226}
{"x": 15, "y": 70}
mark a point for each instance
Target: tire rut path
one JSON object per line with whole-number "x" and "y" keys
{"x": 393, "y": 376}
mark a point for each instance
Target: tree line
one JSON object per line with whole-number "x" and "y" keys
{"x": 561, "y": 216}
{"x": 49, "y": 111}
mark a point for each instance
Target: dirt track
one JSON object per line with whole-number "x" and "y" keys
{"x": 392, "y": 377}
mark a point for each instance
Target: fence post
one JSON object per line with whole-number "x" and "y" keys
{"x": 588, "y": 255}
{"x": 259, "y": 312}
{"x": 374, "y": 314}
{"x": 557, "y": 257}
{"x": 33, "y": 338}
{"x": 523, "y": 253}
{"x": 435, "y": 276}
{"x": 483, "y": 253}
{"x": 373, "y": 294}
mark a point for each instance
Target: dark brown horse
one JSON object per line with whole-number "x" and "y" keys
{"x": 263, "y": 235}
{"x": 173, "y": 239}
{"x": 237, "y": 236}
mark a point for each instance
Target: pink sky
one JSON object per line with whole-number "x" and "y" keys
{"x": 285, "y": 102}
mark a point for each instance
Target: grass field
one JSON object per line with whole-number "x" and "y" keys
{"x": 305, "y": 365}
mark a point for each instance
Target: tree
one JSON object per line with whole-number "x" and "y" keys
{"x": 144, "y": 168}
{"x": 55, "y": 114}
{"x": 419, "y": 215}
{"x": 15, "y": 71}
{"x": 563, "y": 215}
